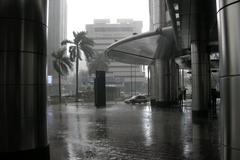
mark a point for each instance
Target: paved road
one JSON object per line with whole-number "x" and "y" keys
{"x": 130, "y": 132}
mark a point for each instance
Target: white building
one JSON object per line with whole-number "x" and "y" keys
{"x": 129, "y": 77}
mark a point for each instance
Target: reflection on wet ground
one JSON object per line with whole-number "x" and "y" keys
{"x": 134, "y": 132}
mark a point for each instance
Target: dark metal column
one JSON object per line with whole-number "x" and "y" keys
{"x": 229, "y": 45}
{"x": 200, "y": 58}
{"x": 23, "y": 79}
{"x": 100, "y": 89}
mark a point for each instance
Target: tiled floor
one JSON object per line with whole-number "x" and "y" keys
{"x": 122, "y": 131}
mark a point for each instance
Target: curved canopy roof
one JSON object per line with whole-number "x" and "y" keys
{"x": 143, "y": 48}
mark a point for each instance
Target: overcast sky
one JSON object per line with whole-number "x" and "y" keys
{"x": 82, "y": 12}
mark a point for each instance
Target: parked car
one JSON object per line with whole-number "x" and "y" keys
{"x": 137, "y": 99}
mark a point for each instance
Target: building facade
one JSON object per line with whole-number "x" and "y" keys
{"x": 57, "y": 31}
{"x": 130, "y": 78}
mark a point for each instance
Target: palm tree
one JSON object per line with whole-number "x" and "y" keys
{"x": 61, "y": 64}
{"x": 80, "y": 44}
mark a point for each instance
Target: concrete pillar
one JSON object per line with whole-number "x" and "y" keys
{"x": 181, "y": 78}
{"x": 23, "y": 127}
{"x": 174, "y": 76}
{"x": 164, "y": 82}
{"x": 200, "y": 79}
{"x": 152, "y": 84}
{"x": 200, "y": 59}
{"x": 162, "y": 76}
{"x": 228, "y": 13}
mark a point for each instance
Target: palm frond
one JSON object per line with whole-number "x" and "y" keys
{"x": 61, "y": 62}
{"x": 64, "y": 69}
{"x": 62, "y": 51}
{"x": 68, "y": 62}
{"x": 72, "y": 57}
{"x": 87, "y": 41}
{"x": 74, "y": 34}
{"x": 56, "y": 67}
{"x": 78, "y": 37}
{"x": 64, "y": 42}
{"x": 72, "y": 51}
{"x": 79, "y": 55}
{"x": 88, "y": 52}
{"x": 54, "y": 55}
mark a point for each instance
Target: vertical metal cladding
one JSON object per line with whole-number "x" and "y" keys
{"x": 200, "y": 58}
{"x": 162, "y": 76}
{"x": 156, "y": 15}
{"x": 23, "y": 74}
{"x": 174, "y": 76}
{"x": 200, "y": 77}
{"x": 152, "y": 82}
{"x": 228, "y": 13}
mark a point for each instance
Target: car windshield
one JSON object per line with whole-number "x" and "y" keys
{"x": 140, "y": 97}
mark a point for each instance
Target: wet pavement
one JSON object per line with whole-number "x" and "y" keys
{"x": 130, "y": 132}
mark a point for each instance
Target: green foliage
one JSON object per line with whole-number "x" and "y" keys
{"x": 61, "y": 63}
{"x": 80, "y": 43}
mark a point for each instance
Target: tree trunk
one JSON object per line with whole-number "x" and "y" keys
{"x": 77, "y": 75}
{"x": 59, "y": 88}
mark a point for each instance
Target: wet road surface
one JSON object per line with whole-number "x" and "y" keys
{"x": 130, "y": 132}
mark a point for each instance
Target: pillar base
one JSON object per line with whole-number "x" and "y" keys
{"x": 199, "y": 114}
{"x": 166, "y": 103}
{"x": 230, "y": 153}
{"x": 153, "y": 102}
{"x": 33, "y": 154}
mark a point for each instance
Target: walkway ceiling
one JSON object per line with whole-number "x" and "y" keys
{"x": 184, "y": 62}
{"x": 166, "y": 43}
{"x": 181, "y": 14}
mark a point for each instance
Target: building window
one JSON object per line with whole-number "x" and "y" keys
{"x": 114, "y": 29}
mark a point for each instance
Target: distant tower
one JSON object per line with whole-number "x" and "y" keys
{"x": 57, "y": 31}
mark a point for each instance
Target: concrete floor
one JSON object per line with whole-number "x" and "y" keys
{"x": 130, "y": 132}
